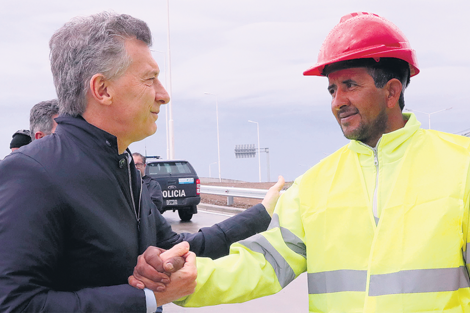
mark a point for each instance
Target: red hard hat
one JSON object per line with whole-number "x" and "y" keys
{"x": 364, "y": 35}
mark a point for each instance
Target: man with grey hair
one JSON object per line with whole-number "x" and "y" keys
{"x": 70, "y": 242}
{"x": 42, "y": 118}
{"x": 154, "y": 188}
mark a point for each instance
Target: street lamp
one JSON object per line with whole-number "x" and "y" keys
{"x": 218, "y": 140}
{"x": 210, "y": 173}
{"x": 171, "y": 133}
{"x": 167, "y": 134}
{"x": 429, "y": 114}
{"x": 259, "y": 150}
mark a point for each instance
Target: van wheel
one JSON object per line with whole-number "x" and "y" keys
{"x": 185, "y": 215}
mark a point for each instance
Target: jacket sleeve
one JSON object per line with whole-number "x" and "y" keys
{"x": 258, "y": 266}
{"x": 33, "y": 227}
{"x": 215, "y": 241}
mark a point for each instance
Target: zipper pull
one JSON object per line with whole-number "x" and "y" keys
{"x": 376, "y": 156}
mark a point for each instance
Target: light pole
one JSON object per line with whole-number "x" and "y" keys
{"x": 171, "y": 136}
{"x": 429, "y": 114}
{"x": 259, "y": 150}
{"x": 167, "y": 135}
{"x": 210, "y": 173}
{"x": 218, "y": 140}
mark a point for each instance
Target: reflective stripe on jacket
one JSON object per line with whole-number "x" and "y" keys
{"x": 412, "y": 260}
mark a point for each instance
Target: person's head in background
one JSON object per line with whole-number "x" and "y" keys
{"x": 20, "y": 138}
{"x": 41, "y": 118}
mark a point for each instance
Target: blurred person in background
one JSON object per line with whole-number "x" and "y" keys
{"x": 154, "y": 188}
{"x": 42, "y": 118}
{"x": 20, "y": 138}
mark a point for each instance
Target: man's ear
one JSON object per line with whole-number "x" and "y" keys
{"x": 38, "y": 135}
{"x": 99, "y": 89}
{"x": 393, "y": 88}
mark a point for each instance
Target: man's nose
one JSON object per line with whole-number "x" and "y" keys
{"x": 339, "y": 99}
{"x": 161, "y": 95}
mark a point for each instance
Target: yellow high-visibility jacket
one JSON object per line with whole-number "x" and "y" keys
{"x": 377, "y": 230}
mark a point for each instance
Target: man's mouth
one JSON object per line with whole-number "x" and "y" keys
{"x": 155, "y": 114}
{"x": 344, "y": 114}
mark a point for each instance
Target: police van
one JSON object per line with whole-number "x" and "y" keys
{"x": 180, "y": 186}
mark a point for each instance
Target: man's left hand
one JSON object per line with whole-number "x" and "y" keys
{"x": 155, "y": 266}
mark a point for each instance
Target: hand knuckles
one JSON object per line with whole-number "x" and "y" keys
{"x": 152, "y": 253}
{"x": 137, "y": 275}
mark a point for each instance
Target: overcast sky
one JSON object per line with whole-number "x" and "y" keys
{"x": 251, "y": 53}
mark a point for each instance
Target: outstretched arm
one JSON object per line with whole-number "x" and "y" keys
{"x": 258, "y": 266}
{"x": 214, "y": 242}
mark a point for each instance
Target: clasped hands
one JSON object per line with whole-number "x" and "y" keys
{"x": 169, "y": 274}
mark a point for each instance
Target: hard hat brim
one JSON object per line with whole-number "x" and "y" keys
{"x": 407, "y": 55}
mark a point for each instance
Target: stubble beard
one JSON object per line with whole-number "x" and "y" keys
{"x": 365, "y": 133}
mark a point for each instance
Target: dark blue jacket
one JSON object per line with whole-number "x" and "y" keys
{"x": 71, "y": 227}
{"x": 155, "y": 191}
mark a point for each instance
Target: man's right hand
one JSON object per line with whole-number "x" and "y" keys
{"x": 272, "y": 195}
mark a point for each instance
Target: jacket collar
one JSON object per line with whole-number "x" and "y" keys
{"x": 389, "y": 143}
{"x": 86, "y": 133}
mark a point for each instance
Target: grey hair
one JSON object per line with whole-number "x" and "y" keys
{"x": 40, "y": 117}
{"x": 86, "y": 46}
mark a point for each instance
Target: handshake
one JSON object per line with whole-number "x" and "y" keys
{"x": 172, "y": 274}
{"x": 169, "y": 274}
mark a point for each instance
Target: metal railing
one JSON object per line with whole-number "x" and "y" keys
{"x": 231, "y": 192}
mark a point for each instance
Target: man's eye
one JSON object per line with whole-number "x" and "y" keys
{"x": 149, "y": 81}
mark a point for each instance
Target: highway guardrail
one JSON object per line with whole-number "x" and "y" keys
{"x": 231, "y": 192}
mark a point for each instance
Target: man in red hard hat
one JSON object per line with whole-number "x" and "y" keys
{"x": 382, "y": 224}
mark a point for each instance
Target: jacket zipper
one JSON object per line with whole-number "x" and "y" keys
{"x": 140, "y": 199}
{"x": 375, "y": 206}
{"x": 137, "y": 213}
{"x": 375, "y": 201}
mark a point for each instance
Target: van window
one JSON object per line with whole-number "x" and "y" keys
{"x": 168, "y": 168}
